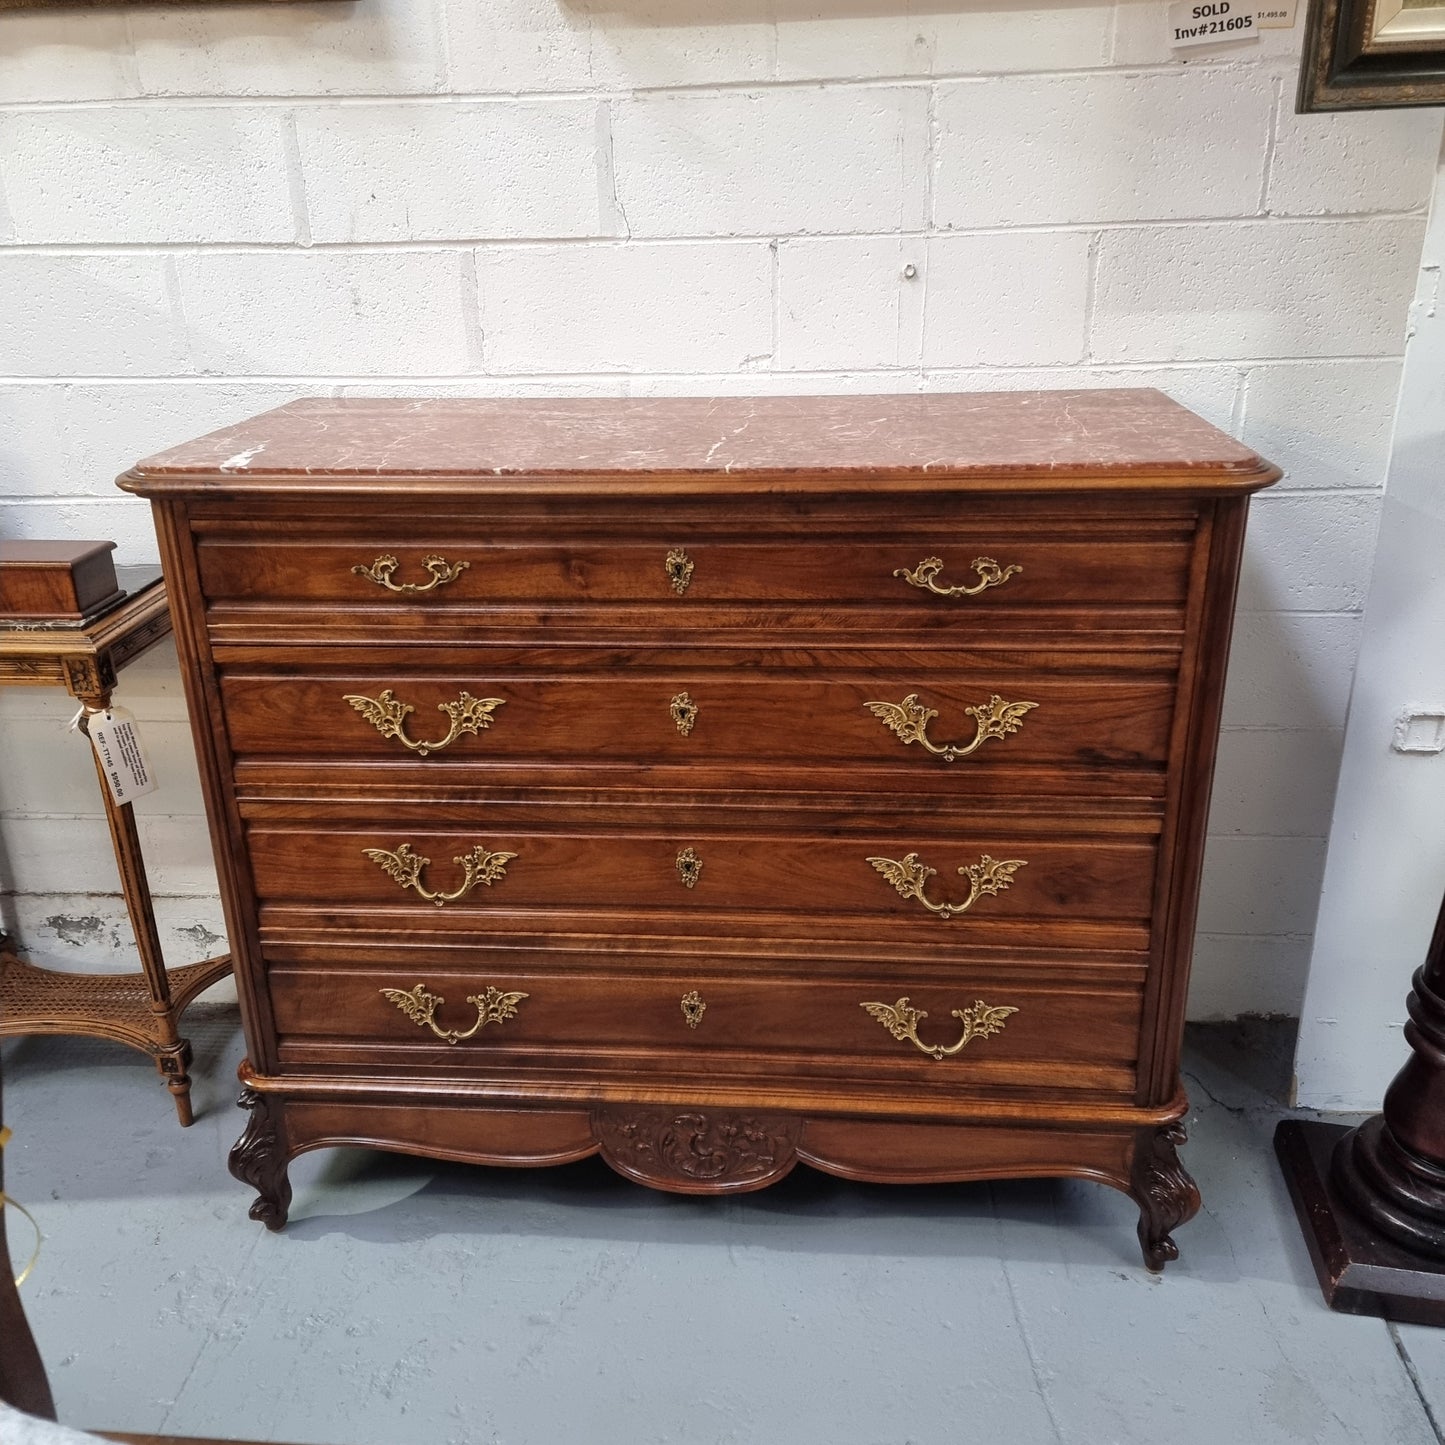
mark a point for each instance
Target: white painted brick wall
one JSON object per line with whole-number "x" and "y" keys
{"x": 1345, "y": 164}
{"x": 1010, "y": 298}
{"x": 1327, "y": 423}
{"x": 1222, "y": 290}
{"x": 1115, "y": 144}
{"x": 840, "y": 302}
{"x": 67, "y": 57}
{"x": 434, "y": 172}
{"x": 675, "y": 307}
{"x": 150, "y": 174}
{"x": 772, "y": 162}
{"x": 326, "y": 311}
{"x": 205, "y": 212}
{"x": 381, "y": 47}
{"x": 112, "y": 310}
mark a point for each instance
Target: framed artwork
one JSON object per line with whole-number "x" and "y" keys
{"x": 1362, "y": 54}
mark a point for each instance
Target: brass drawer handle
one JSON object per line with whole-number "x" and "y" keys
{"x": 684, "y": 712}
{"x": 478, "y": 866}
{"x": 441, "y": 571}
{"x": 990, "y": 574}
{"x": 909, "y": 719}
{"x": 468, "y": 714}
{"x": 902, "y": 1022}
{"x": 493, "y": 1007}
{"x": 693, "y": 1008}
{"x": 987, "y": 876}
{"x": 679, "y": 570}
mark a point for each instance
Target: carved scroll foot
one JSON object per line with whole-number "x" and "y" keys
{"x": 1166, "y": 1195}
{"x": 173, "y": 1063}
{"x": 259, "y": 1159}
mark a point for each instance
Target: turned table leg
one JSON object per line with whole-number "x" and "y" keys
{"x": 171, "y": 1053}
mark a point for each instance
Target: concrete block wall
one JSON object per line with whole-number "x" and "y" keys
{"x": 206, "y": 211}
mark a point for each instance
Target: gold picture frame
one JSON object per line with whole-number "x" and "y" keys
{"x": 1368, "y": 54}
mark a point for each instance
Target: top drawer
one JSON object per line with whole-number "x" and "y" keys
{"x": 961, "y": 570}
{"x": 975, "y": 573}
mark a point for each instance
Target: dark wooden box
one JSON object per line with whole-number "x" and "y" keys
{"x": 62, "y": 580}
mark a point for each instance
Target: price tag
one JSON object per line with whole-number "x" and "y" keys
{"x": 1212, "y": 22}
{"x": 1278, "y": 16}
{"x": 116, "y": 740}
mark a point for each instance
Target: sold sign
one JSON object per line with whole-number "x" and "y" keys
{"x": 1222, "y": 22}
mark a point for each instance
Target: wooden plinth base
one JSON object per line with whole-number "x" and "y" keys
{"x": 1359, "y": 1272}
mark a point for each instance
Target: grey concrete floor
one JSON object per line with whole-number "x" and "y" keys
{"x": 412, "y": 1303}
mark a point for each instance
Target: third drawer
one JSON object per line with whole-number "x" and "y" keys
{"x": 922, "y": 873}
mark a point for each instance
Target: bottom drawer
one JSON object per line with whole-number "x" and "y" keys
{"x": 974, "y": 1029}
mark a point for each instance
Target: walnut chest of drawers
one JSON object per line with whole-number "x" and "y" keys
{"x": 713, "y": 784}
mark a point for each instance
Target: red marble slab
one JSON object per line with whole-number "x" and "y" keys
{"x": 1064, "y": 437}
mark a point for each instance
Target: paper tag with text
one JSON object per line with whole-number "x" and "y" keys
{"x": 1276, "y": 16}
{"x": 116, "y": 740}
{"x": 1212, "y": 22}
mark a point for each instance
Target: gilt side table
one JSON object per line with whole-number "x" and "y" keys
{"x": 142, "y": 1009}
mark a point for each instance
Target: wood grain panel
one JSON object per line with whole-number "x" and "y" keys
{"x": 1138, "y": 655}
{"x": 755, "y": 570}
{"x": 325, "y": 940}
{"x": 1089, "y": 1034}
{"x": 977, "y": 932}
{"x": 1062, "y": 881}
{"x": 730, "y": 715}
{"x": 898, "y": 1152}
{"x": 517, "y": 1138}
{"x": 1078, "y": 638}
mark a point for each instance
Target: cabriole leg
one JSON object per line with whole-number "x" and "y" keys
{"x": 1166, "y": 1195}
{"x": 259, "y": 1159}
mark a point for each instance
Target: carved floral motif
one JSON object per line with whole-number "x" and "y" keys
{"x": 695, "y": 1151}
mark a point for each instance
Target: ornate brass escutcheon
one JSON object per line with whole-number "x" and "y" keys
{"x": 909, "y": 719}
{"x": 684, "y": 712}
{"x": 478, "y": 866}
{"x": 468, "y": 715}
{"x": 979, "y": 1021}
{"x": 987, "y": 876}
{"x": 693, "y": 1008}
{"x": 689, "y": 868}
{"x": 493, "y": 1007}
{"x": 679, "y": 570}
{"x": 441, "y": 571}
{"x": 990, "y": 574}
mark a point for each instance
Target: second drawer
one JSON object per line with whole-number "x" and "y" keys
{"x": 927, "y": 722}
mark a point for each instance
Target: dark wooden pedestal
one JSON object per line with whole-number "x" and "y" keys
{"x": 1360, "y": 1272}
{"x": 1371, "y": 1200}
{"x": 22, "y": 1377}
